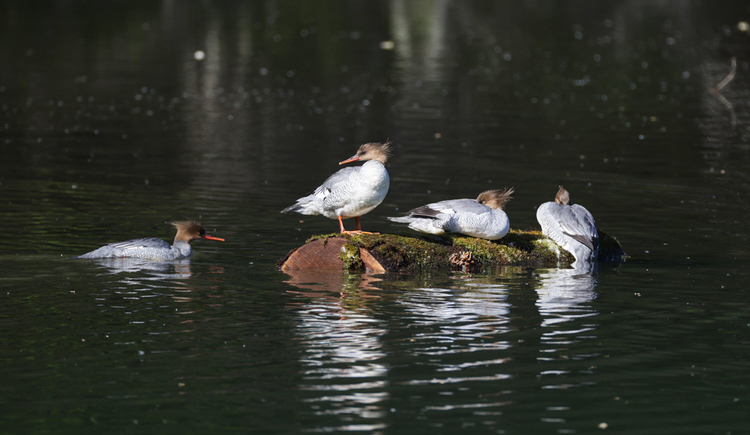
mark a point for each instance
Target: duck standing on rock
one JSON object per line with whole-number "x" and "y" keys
{"x": 482, "y": 217}
{"x": 572, "y": 227}
{"x": 151, "y": 248}
{"x": 352, "y": 191}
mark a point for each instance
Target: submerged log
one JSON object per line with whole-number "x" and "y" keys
{"x": 392, "y": 253}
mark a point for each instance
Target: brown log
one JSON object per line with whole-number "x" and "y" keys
{"x": 325, "y": 254}
{"x": 390, "y": 253}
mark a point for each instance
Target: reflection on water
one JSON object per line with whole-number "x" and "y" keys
{"x": 138, "y": 284}
{"x": 109, "y": 115}
{"x": 178, "y": 269}
{"x": 585, "y": 267}
{"x": 464, "y": 310}
{"x": 343, "y": 372}
{"x": 564, "y": 301}
{"x": 330, "y": 281}
{"x": 360, "y": 371}
{"x": 565, "y": 295}
{"x": 347, "y": 371}
{"x": 141, "y": 279}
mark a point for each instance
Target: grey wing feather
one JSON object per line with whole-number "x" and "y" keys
{"x": 336, "y": 179}
{"x": 450, "y": 206}
{"x": 579, "y": 224}
{"x": 424, "y": 212}
{"x": 146, "y": 242}
{"x": 589, "y": 243}
{"x": 468, "y": 206}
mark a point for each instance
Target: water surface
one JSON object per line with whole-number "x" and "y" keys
{"x": 111, "y": 126}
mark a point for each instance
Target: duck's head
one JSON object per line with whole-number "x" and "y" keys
{"x": 562, "y": 197}
{"x": 495, "y": 199}
{"x": 371, "y": 151}
{"x": 191, "y": 230}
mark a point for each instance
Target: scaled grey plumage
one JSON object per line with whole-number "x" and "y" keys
{"x": 482, "y": 217}
{"x": 350, "y": 192}
{"x": 572, "y": 227}
{"x": 151, "y": 248}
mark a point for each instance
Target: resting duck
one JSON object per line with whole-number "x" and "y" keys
{"x": 572, "y": 227}
{"x": 350, "y": 192}
{"x": 482, "y": 217}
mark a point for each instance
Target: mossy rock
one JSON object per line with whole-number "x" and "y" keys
{"x": 394, "y": 253}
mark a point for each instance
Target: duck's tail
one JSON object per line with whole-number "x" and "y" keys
{"x": 308, "y": 205}
{"x": 401, "y": 219}
{"x": 294, "y": 208}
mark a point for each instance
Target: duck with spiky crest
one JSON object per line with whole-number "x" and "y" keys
{"x": 483, "y": 217}
{"x": 350, "y": 192}
{"x": 151, "y": 248}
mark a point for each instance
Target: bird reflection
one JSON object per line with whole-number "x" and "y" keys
{"x": 468, "y": 299}
{"x": 565, "y": 294}
{"x": 343, "y": 371}
{"x": 177, "y": 269}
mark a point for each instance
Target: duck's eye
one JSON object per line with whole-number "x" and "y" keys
{"x": 202, "y": 233}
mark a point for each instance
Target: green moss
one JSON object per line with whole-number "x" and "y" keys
{"x": 322, "y": 237}
{"x": 412, "y": 253}
{"x": 529, "y": 248}
{"x": 400, "y": 253}
{"x": 350, "y": 256}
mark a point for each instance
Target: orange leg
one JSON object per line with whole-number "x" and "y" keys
{"x": 358, "y": 229}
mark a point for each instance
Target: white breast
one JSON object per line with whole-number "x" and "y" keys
{"x": 364, "y": 190}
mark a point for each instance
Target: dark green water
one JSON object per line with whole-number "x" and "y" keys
{"x": 109, "y": 127}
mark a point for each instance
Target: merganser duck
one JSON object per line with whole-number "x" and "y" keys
{"x": 151, "y": 248}
{"x": 572, "y": 227}
{"x": 352, "y": 191}
{"x": 482, "y": 217}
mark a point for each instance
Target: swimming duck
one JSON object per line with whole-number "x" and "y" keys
{"x": 151, "y": 248}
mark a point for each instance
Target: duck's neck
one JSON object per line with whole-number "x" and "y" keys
{"x": 374, "y": 164}
{"x": 182, "y": 246}
{"x": 373, "y": 171}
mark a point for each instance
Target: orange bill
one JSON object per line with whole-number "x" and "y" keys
{"x": 353, "y": 158}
